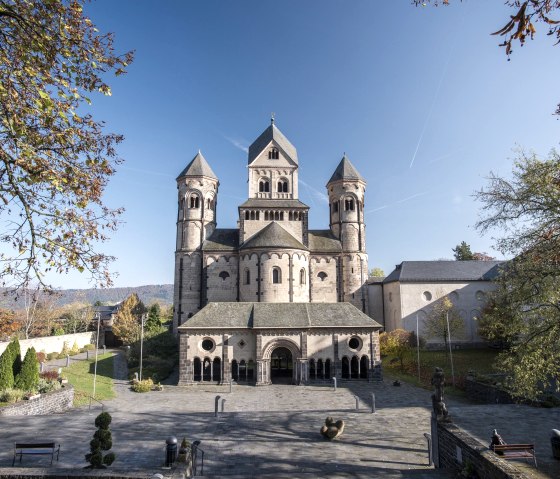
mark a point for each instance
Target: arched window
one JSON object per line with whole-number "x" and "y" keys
{"x": 282, "y": 186}
{"x": 302, "y": 276}
{"x": 257, "y": 215}
{"x": 281, "y": 216}
{"x": 194, "y": 201}
{"x": 252, "y": 215}
{"x": 276, "y": 275}
{"x": 264, "y": 186}
{"x": 322, "y": 275}
{"x": 247, "y": 215}
{"x": 209, "y": 204}
{"x": 277, "y": 215}
{"x": 349, "y": 204}
{"x": 247, "y": 276}
{"x": 224, "y": 275}
{"x": 273, "y": 154}
{"x": 290, "y": 216}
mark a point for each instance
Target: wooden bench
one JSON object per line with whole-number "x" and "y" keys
{"x": 42, "y": 448}
{"x": 515, "y": 451}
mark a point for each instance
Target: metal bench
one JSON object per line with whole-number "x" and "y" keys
{"x": 40, "y": 448}
{"x": 515, "y": 451}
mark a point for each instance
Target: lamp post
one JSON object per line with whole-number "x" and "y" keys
{"x": 141, "y": 343}
{"x": 98, "y": 316}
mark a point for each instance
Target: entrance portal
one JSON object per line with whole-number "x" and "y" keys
{"x": 281, "y": 366}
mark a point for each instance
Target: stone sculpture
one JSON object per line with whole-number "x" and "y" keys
{"x": 438, "y": 381}
{"x": 332, "y": 429}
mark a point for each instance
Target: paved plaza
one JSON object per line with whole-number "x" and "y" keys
{"x": 274, "y": 431}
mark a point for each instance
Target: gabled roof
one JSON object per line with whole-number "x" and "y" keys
{"x": 416, "y": 271}
{"x": 345, "y": 171}
{"x": 323, "y": 241}
{"x": 279, "y": 315}
{"x": 272, "y": 203}
{"x": 273, "y": 236}
{"x": 222, "y": 239}
{"x": 272, "y": 133}
{"x": 198, "y": 167}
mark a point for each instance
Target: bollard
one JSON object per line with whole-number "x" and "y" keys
{"x": 334, "y": 380}
{"x": 372, "y": 403}
{"x": 67, "y": 360}
{"x": 87, "y": 353}
{"x": 136, "y": 376}
{"x": 429, "y": 439}
{"x": 104, "y": 349}
{"x": 41, "y": 367}
{"x": 357, "y": 402}
{"x": 230, "y": 383}
{"x": 170, "y": 451}
{"x": 223, "y": 403}
{"x": 216, "y": 402}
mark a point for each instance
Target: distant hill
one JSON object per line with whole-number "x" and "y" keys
{"x": 153, "y": 293}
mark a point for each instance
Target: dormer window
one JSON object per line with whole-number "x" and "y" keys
{"x": 194, "y": 202}
{"x": 273, "y": 154}
{"x": 282, "y": 186}
{"x": 264, "y": 186}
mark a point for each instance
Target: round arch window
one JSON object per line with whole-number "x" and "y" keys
{"x": 207, "y": 344}
{"x": 355, "y": 343}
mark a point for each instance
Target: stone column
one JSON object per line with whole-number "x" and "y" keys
{"x": 185, "y": 363}
{"x": 226, "y": 365}
{"x": 303, "y": 368}
{"x": 337, "y": 365}
{"x": 262, "y": 372}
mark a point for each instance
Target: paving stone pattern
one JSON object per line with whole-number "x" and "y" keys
{"x": 268, "y": 431}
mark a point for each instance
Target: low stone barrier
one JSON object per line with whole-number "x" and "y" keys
{"x": 456, "y": 448}
{"x": 486, "y": 393}
{"x": 48, "y": 403}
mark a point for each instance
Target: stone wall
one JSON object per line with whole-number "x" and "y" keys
{"x": 49, "y": 403}
{"x": 53, "y": 344}
{"x": 455, "y": 448}
{"x": 486, "y": 393}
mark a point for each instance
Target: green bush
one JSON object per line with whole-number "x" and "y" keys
{"x": 65, "y": 349}
{"x": 75, "y": 349}
{"x": 89, "y": 347}
{"x": 11, "y": 395}
{"x": 28, "y": 378}
{"x": 46, "y": 386}
{"x": 52, "y": 356}
{"x": 102, "y": 441}
{"x": 6, "y": 371}
{"x": 15, "y": 351}
{"x": 143, "y": 386}
{"x": 160, "y": 354}
{"x": 58, "y": 331}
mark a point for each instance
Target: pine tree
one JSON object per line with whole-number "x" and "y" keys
{"x": 153, "y": 322}
{"x": 15, "y": 351}
{"x": 6, "y": 371}
{"x": 28, "y": 378}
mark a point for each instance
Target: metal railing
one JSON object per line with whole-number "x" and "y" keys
{"x": 197, "y": 453}
{"x": 97, "y": 401}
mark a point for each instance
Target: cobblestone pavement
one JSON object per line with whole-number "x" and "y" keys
{"x": 273, "y": 430}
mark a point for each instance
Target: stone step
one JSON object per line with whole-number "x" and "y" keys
{"x": 376, "y": 472}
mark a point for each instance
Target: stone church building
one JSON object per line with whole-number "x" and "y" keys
{"x": 271, "y": 300}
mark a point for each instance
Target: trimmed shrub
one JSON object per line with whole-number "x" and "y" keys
{"x": 102, "y": 441}
{"x": 46, "y": 386}
{"x": 75, "y": 349}
{"x": 52, "y": 356}
{"x": 6, "y": 371}
{"x": 28, "y": 378}
{"x": 89, "y": 347}
{"x": 143, "y": 386}
{"x": 15, "y": 352}
{"x": 65, "y": 349}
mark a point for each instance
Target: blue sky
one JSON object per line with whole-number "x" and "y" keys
{"x": 422, "y": 100}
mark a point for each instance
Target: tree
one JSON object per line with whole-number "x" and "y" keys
{"x": 483, "y": 257}
{"x": 444, "y": 321}
{"x": 377, "y": 272}
{"x": 28, "y": 378}
{"x": 77, "y": 317}
{"x": 154, "y": 317}
{"x": 396, "y": 343}
{"x": 462, "y": 252}
{"x": 525, "y": 209}
{"x": 8, "y": 324}
{"x": 127, "y": 320}
{"x": 14, "y": 351}
{"x": 55, "y": 158}
{"x": 494, "y": 323}
{"x": 37, "y": 313}
{"x": 6, "y": 371}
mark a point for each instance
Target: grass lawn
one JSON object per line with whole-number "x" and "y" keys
{"x": 80, "y": 375}
{"x": 464, "y": 360}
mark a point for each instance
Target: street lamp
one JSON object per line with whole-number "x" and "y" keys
{"x": 141, "y": 343}
{"x": 98, "y": 316}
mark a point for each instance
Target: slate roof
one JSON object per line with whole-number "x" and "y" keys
{"x": 273, "y": 236}
{"x": 198, "y": 167}
{"x": 415, "y": 271}
{"x": 345, "y": 171}
{"x": 323, "y": 241}
{"x": 279, "y": 315}
{"x": 222, "y": 240}
{"x": 268, "y": 135}
{"x": 272, "y": 203}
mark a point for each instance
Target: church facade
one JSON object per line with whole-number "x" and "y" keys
{"x": 272, "y": 300}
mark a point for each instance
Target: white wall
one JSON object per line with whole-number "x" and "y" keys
{"x": 52, "y": 344}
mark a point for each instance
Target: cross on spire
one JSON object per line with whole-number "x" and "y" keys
{"x": 272, "y": 118}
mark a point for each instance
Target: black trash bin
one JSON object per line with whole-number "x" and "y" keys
{"x": 555, "y": 443}
{"x": 170, "y": 451}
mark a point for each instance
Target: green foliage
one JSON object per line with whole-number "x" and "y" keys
{"x": 58, "y": 331}
{"x": 160, "y": 353}
{"x": 443, "y": 321}
{"x": 52, "y": 356}
{"x": 377, "y": 272}
{"x": 396, "y": 343}
{"x": 525, "y": 209}
{"x": 28, "y": 378}
{"x": 57, "y": 159}
{"x": 75, "y": 349}
{"x": 102, "y": 441}
{"x": 6, "y": 371}
{"x": 462, "y": 252}
{"x": 153, "y": 323}
{"x": 65, "y": 349}
{"x": 144, "y": 386}
{"x": 46, "y": 386}
{"x": 15, "y": 353}
{"x": 11, "y": 395}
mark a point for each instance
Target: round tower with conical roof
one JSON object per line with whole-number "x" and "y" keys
{"x": 197, "y": 187}
{"x": 346, "y": 191}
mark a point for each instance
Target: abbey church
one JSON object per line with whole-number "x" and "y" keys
{"x": 272, "y": 301}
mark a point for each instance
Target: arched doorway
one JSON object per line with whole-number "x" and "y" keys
{"x": 345, "y": 368}
{"x": 281, "y": 366}
{"x": 354, "y": 368}
{"x": 364, "y": 367}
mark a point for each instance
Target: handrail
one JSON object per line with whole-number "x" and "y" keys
{"x": 194, "y": 456}
{"x": 102, "y": 405}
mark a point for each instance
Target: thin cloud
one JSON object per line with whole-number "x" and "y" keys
{"x": 316, "y": 193}
{"x": 398, "y": 202}
{"x": 238, "y": 144}
{"x": 147, "y": 172}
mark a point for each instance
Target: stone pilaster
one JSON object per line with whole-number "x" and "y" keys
{"x": 337, "y": 365}
{"x": 185, "y": 363}
{"x": 263, "y": 372}
{"x": 226, "y": 364}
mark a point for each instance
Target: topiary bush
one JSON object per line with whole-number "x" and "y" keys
{"x": 6, "y": 371}
{"x": 102, "y": 441}
{"x": 143, "y": 386}
{"x": 28, "y": 378}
